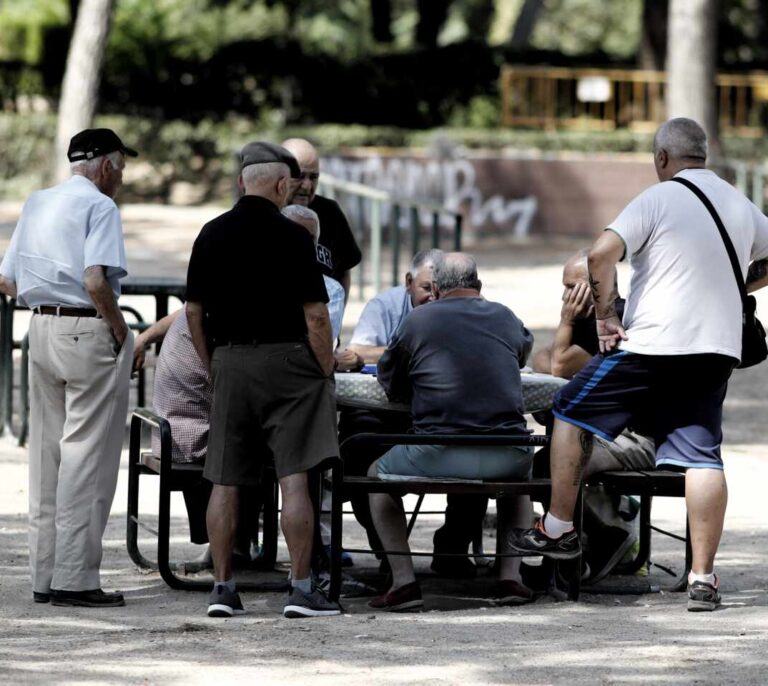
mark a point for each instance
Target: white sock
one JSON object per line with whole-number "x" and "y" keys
{"x": 706, "y": 578}
{"x": 555, "y": 527}
{"x": 230, "y": 585}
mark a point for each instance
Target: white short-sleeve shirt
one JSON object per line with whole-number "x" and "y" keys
{"x": 382, "y": 316}
{"x": 62, "y": 231}
{"x": 683, "y": 298}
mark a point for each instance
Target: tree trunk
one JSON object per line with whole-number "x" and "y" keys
{"x": 381, "y": 21}
{"x": 526, "y": 22}
{"x": 80, "y": 88}
{"x": 691, "y": 64}
{"x": 432, "y": 16}
{"x": 653, "y": 42}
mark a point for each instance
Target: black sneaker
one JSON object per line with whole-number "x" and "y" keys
{"x": 94, "y": 598}
{"x": 703, "y": 597}
{"x": 536, "y": 542}
{"x": 41, "y": 597}
{"x": 224, "y": 603}
{"x": 313, "y": 604}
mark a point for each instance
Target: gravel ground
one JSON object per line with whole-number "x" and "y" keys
{"x": 164, "y": 637}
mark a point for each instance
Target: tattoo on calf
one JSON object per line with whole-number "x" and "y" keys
{"x": 586, "y": 440}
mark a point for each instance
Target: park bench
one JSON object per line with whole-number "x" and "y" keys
{"x": 174, "y": 476}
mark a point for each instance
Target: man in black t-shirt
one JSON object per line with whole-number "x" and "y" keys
{"x": 272, "y": 363}
{"x": 337, "y": 250}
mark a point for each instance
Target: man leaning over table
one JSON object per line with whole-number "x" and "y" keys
{"x": 665, "y": 369}
{"x": 64, "y": 262}
{"x": 433, "y": 362}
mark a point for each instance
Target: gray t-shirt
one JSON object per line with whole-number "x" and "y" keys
{"x": 382, "y": 316}
{"x": 458, "y": 361}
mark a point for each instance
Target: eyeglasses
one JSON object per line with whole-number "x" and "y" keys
{"x": 311, "y": 176}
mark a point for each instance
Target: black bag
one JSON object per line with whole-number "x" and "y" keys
{"x": 753, "y": 346}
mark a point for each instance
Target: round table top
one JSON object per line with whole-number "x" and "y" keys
{"x": 364, "y": 391}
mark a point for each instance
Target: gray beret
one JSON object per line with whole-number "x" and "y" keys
{"x": 260, "y": 152}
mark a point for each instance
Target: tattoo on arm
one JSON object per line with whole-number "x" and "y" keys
{"x": 757, "y": 270}
{"x": 586, "y": 440}
{"x": 593, "y": 284}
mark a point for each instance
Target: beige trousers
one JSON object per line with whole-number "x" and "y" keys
{"x": 78, "y": 407}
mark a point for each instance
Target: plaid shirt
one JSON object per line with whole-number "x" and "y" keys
{"x": 182, "y": 394}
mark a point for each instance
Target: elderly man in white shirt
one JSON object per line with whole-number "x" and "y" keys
{"x": 64, "y": 262}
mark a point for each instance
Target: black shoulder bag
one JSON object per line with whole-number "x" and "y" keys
{"x": 753, "y": 346}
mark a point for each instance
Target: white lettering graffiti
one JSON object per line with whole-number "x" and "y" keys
{"x": 447, "y": 182}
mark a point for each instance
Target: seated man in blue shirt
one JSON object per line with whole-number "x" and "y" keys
{"x": 383, "y": 315}
{"x": 433, "y": 361}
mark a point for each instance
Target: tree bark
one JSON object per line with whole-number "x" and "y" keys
{"x": 526, "y": 23}
{"x": 653, "y": 42}
{"x": 432, "y": 16}
{"x": 691, "y": 64}
{"x": 80, "y": 88}
{"x": 381, "y": 21}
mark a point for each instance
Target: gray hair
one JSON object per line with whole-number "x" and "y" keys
{"x": 298, "y": 212}
{"x": 681, "y": 138}
{"x": 425, "y": 258}
{"x": 267, "y": 172}
{"x": 456, "y": 270}
{"x": 88, "y": 168}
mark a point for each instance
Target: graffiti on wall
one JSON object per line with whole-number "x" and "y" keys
{"x": 451, "y": 183}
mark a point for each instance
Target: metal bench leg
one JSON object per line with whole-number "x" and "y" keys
{"x": 681, "y": 582}
{"x": 337, "y": 502}
{"x": 414, "y": 516}
{"x": 270, "y": 515}
{"x": 574, "y": 576}
{"x": 132, "y": 527}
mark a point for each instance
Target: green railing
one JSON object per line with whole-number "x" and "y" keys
{"x": 384, "y": 222}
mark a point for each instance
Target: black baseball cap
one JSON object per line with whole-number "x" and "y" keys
{"x": 260, "y": 152}
{"x": 94, "y": 143}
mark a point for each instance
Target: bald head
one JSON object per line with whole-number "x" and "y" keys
{"x": 304, "y": 188}
{"x": 575, "y": 269}
{"x": 455, "y": 270}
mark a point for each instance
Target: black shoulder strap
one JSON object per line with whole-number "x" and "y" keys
{"x": 723, "y": 234}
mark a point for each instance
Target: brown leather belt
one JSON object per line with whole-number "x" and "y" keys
{"x": 61, "y": 311}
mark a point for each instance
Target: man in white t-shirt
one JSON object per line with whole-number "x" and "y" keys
{"x": 664, "y": 371}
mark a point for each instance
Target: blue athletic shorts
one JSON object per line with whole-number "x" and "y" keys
{"x": 676, "y": 399}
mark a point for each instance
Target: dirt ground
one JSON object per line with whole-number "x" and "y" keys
{"x": 164, "y": 636}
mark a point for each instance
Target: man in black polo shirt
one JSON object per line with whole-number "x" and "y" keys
{"x": 272, "y": 366}
{"x": 337, "y": 250}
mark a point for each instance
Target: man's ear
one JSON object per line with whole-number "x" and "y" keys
{"x": 240, "y": 184}
{"x": 408, "y": 279}
{"x": 663, "y": 158}
{"x": 282, "y": 187}
{"x": 435, "y": 292}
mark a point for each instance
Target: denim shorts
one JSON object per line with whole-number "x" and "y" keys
{"x": 483, "y": 463}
